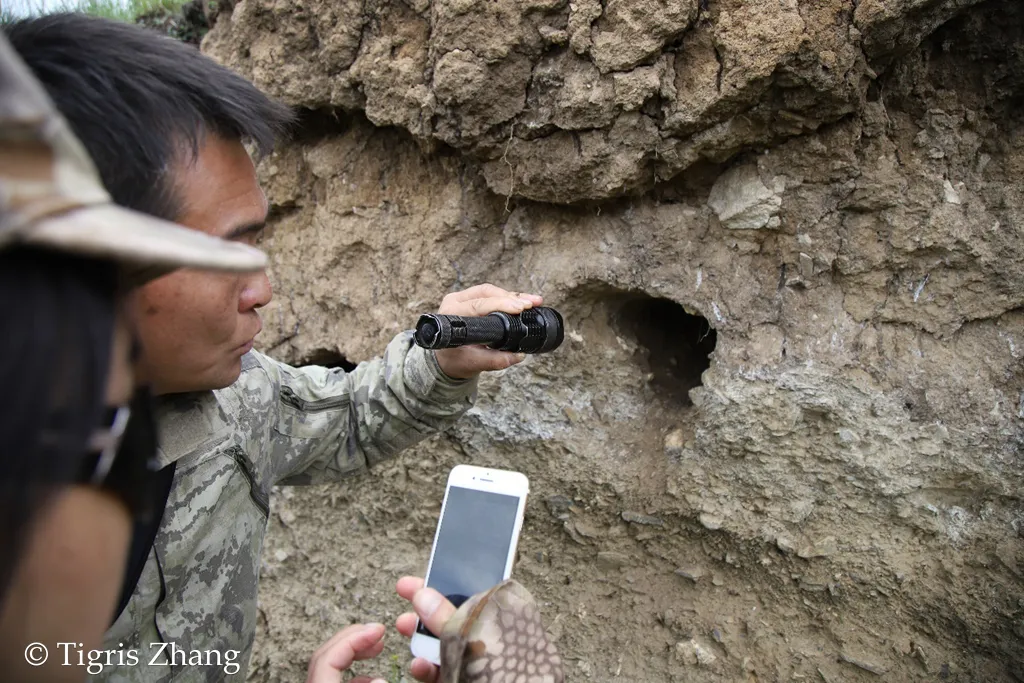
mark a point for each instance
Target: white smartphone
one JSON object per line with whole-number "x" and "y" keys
{"x": 475, "y": 542}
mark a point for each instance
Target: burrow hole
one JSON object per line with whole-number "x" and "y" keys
{"x": 329, "y": 359}
{"x": 675, "y": 347}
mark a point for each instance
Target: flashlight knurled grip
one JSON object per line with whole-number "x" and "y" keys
{"x": 535, "y": 330}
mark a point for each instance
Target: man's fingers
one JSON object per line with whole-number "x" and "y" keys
{"x": 408, "y": 585}
{"x": 499, "y": 360}
{"x": 473, "y": 359}
{"x": 341, "y": 635}
{"x": 370, "y": 652}
{"x": 345, "y": 647}
{"x": 406, "y": 624}
{"x": 486, "y": 291}
{"x": 483, "y": 306}
{"x": 476, "y": 292}
{"x": 433, "y": 609}
{"x": 424, "y": 671}
{"x": 362, "y": 643}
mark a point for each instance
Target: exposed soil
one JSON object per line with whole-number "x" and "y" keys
{"x": 782, "y": 440}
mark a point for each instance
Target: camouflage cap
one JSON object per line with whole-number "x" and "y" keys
{"x": 51, "y": 194}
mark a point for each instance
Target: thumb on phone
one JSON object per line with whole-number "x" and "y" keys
{"x": 433, "y": 609}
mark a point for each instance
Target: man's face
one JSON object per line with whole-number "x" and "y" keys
{"x": 195, "y": 326}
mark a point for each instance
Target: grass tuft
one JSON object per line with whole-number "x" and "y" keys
{"x": 119, "y": 10}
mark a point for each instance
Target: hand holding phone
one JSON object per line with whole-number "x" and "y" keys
{"x": 475, "y": 542}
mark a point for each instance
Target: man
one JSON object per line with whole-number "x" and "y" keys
{"x": 75, "y": 445}
{"x": 166, "y": 127}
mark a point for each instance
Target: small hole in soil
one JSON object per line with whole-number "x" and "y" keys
{"x": 674, "y": 345}
{"x": 328, "y": 359}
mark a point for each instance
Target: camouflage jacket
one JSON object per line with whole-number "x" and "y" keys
{"x": 195, "y": 602}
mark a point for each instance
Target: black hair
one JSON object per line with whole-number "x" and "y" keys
{"x": 59, "y": 313}
{"x": 138, "y": 99}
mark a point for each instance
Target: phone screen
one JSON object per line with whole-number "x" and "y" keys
{"x": 472, "y": 544}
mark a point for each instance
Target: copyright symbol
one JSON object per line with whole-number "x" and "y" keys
{"x": 36, "y": 654}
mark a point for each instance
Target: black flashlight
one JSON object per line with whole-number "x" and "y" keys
{"x": 535, "y": 330}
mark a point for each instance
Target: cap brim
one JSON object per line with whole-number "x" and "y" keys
{"x": 142, "y": 243}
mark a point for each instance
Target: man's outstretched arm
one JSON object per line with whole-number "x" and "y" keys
{"x": 331, "y": 423}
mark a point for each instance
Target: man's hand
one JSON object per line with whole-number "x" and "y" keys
{"x": 361, "y": 641}
{"x": 433, "y": 609}
{"x": 468, "y": 361}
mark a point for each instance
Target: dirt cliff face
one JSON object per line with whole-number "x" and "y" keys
{"x": 782, "y": 440}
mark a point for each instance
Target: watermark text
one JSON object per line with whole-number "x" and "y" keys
{"x": 156, "y": 654}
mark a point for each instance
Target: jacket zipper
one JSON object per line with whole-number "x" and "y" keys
{"x": 289, "y": 397}
{"x": 254, "y": 493}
